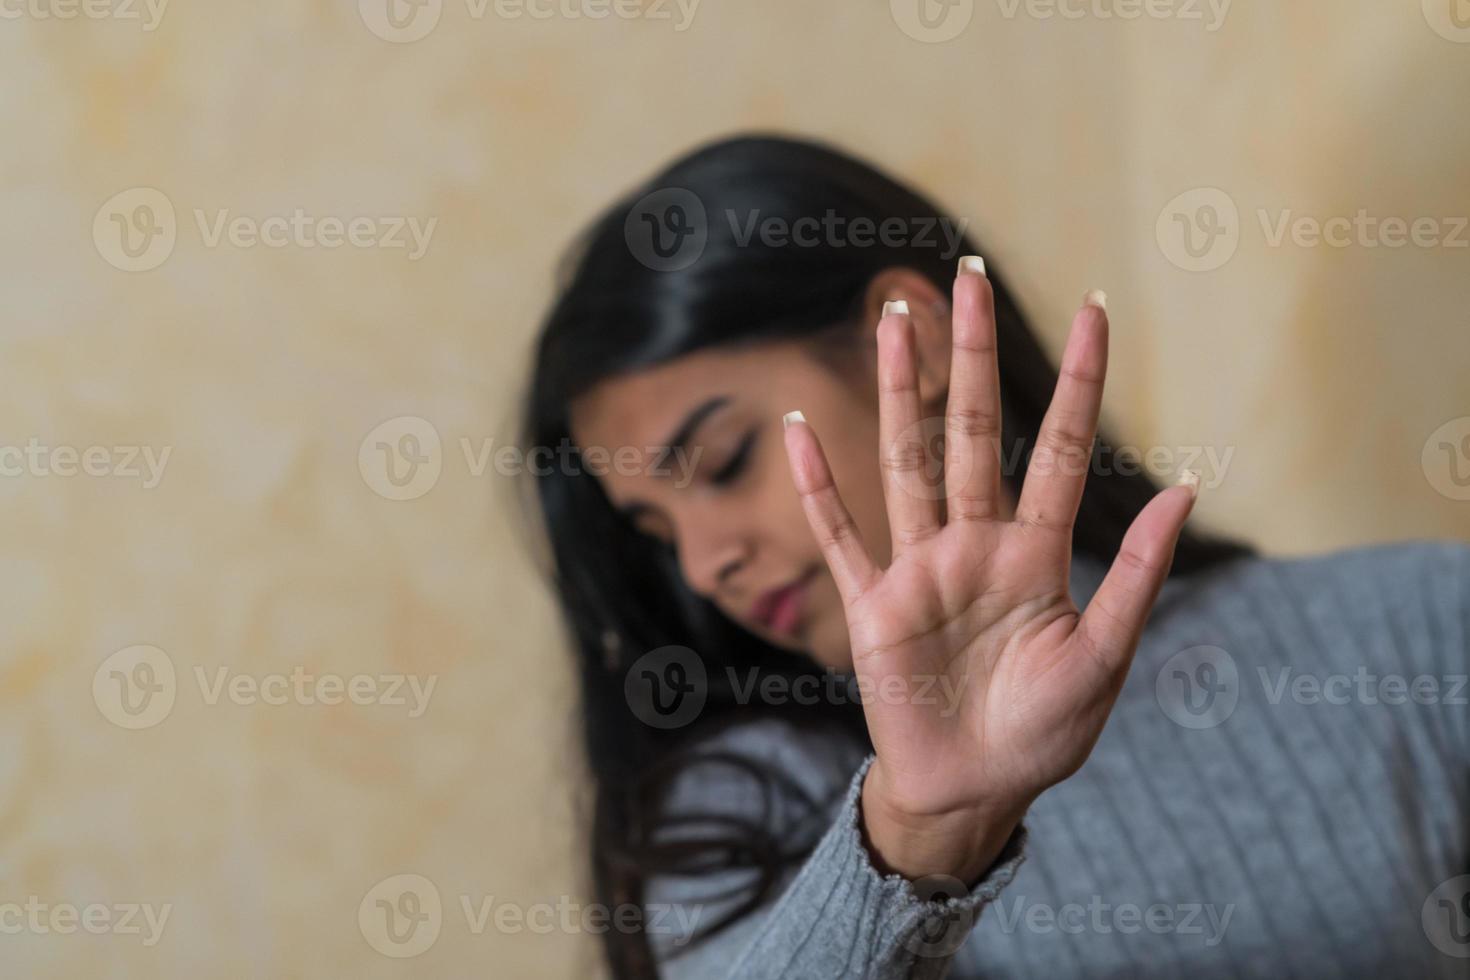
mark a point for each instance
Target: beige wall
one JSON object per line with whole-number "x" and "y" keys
{"x": 264, "y": 548}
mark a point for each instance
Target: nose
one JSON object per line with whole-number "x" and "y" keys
{"x": 711, "y": 552}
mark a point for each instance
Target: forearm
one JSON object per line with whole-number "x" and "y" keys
{"x": 843, "y": 916}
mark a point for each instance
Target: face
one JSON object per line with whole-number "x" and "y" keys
{"x": 722, "y": 497}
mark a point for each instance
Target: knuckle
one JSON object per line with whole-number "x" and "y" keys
{"x": 905, "y": 456}
{"x": 1068, "y": 434}
{"x": 1135, "y": 561}
{"x": 834, "y": 530}
{"x": 912, "y": 534}
{"x": 970, "y": 422}
{"x": 1089, "y": 377}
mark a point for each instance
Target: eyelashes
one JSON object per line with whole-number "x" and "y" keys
{"x": 727, "y": 474}
{"x": 737, "y": 462}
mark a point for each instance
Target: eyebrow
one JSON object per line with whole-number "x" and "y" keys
{"x": 679, "y": 438}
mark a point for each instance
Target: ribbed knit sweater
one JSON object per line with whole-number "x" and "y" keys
{"x": 1282, "y": 790}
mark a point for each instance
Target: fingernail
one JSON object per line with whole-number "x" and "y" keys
{"x": 790, "y": 417}
{"x": 895, "y": 306}
{"x": 1190, "y": 479}
{"x": 1097, "y": 298}
{"x": 972, "y": 265}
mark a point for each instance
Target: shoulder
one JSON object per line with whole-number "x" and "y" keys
{"x": 1423, "y": 570}
{"x": 1411, "y": 596}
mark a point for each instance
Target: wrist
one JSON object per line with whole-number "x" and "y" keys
{"x": 963, "y": 843}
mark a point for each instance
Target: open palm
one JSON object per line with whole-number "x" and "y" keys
{"x": 983, "y": 681}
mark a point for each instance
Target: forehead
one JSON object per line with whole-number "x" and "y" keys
{"x": 644, "y": 408}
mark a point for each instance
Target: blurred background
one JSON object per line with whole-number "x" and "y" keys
{"x": 271, "y": 637}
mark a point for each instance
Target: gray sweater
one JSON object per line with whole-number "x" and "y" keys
{"x": 1283, "y": 790}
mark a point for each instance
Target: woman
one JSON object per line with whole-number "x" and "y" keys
{"x": 837, "y": 706}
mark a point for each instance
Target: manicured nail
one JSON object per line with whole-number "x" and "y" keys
{"x": 972, "y": 265}
{"x": 790, "y": 417}
{"x": 1097, "y": 298}
{"x": 1190, "y": 479}
{"x": 895, "y": 306}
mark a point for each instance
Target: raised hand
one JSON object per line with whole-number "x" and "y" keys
{"x": 977, "y": 601}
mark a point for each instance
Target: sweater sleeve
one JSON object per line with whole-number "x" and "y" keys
{"x": 839, "y": 918}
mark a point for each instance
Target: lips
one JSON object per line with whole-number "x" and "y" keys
{"x": 780, "y": 610}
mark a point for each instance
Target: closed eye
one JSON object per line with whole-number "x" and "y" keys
{"x": 736, "y": 464}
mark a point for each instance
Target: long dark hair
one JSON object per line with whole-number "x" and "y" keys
{"x": 628, "y": 299}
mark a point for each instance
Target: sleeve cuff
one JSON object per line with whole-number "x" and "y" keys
{"x": 923, "y": 921}
{"x": 841, "y": 918}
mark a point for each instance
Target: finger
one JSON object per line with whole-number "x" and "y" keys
{"x": 1114, "y": 619}
{"x": 913, "y": 504}
{"x": 1058, "y": 470}
{"x": 972, "y": 415}
{"x": 842, "y": 545}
